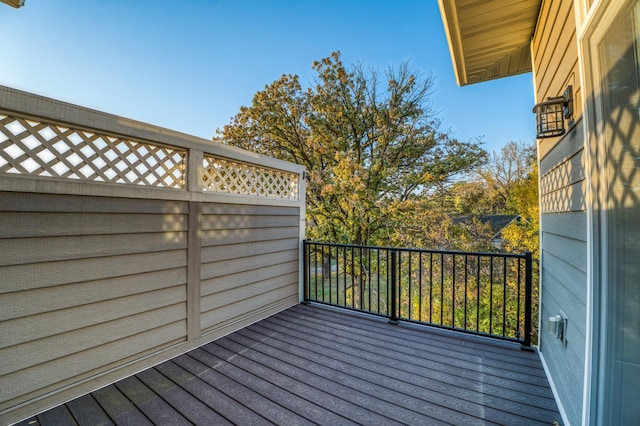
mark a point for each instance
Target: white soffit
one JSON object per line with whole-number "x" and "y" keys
{"x": 489, "y": 39}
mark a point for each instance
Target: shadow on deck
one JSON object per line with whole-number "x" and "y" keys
{"x": 316, "y": 365}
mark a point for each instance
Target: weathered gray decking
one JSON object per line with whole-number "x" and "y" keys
{"x": 310, "y": 365}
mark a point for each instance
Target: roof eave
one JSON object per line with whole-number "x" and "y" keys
{"x": 486, "y": 49}
{"x": 14, "y": 3}
{"x": 454, "y": 39}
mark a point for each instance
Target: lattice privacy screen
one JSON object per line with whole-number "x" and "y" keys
{"x": 237, "y": 178}
{"x": 34, "y": 148}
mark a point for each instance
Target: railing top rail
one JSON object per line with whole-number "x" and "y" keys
{"x": 417, "y": 250}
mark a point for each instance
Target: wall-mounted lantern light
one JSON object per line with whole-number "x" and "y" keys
{"x": 550, "y": 114}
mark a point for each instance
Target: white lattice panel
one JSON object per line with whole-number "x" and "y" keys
{"x": 29, "y": 147}
{"x": 238, "y": 178}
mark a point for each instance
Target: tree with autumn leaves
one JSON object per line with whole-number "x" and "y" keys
{"x": 379, "y": 169}
{"x": 371, "y": 146}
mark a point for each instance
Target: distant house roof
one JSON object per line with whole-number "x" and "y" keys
{"x": 497, "y": 222}
{"x": 489, "y": 39}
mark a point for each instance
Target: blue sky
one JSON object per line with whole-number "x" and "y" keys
{"x": 190, "y": 65}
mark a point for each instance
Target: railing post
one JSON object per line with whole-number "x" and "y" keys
{"x": 195, "y": 170}
{"x": 528, "y": 277}
{"x": 306, "y": 262}
{"x": 194, "y": 267}
{"x": 393, "y": 317}
{"x": 194, "y": 246}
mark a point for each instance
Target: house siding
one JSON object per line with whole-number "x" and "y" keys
{"x": 90, "y": 284}
{"x": 82, "y": 288}
{"x": 563, "y": 227}
{"x": 555, "y": 58}
{"x": 249, "y": 258}
{"x": 99, "y": 280}
{"x": 563, "y": 278}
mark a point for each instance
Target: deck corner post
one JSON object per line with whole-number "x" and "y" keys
{"x": 194, "y": 259}
{"x": 306, "y": 254}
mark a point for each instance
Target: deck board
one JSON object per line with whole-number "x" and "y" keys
{"x": 191, "y": 408}
{"x": 423, "y": 348}
{"x": 432, "y": 405}
{"x": 351, "y": 409}
{"x": 59, "y": 416}
{"x": 315, "y": 365}
{"x": 445, "y": 384}
{"x": 429, "y": 369}
{"x": 155, "y": 408}
{"x": 446, "y": 400}
{"x": 282, "y": 406}
{"x": 86, "y": 410}
{"x": 250, "y": 394}
{"x": 328, "y": 378}
{"x": 463, "y": 349}
{"x": 116, "y": 405}
{"x": 228, "y": 407}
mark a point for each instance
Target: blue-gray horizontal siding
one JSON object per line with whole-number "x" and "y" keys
{"x": 563, "y": 231}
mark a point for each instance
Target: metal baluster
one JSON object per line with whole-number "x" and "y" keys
{"x": 441, "y": 287}
{"x": 527, "y": 301}
{"x": 410, "y": 283}
{"x": 490, "y": 294}
{"x": 504, "y": 295}
{"x": 420, "y": 287}
{"x": 466, "y": 282}
{"x": 393, "y": 319}
{"x": 430, "y": 287}
{"x": 478, "y": 295}
{"x": 518, "y": 334}
{"x": 453, "y": 292}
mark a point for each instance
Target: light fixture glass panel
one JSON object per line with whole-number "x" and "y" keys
{"x": 549, "y": 118}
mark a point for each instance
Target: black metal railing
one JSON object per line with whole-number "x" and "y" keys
{"x": 480, "y": 293}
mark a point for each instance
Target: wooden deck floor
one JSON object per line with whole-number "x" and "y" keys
{"x": 313, "y": 365}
